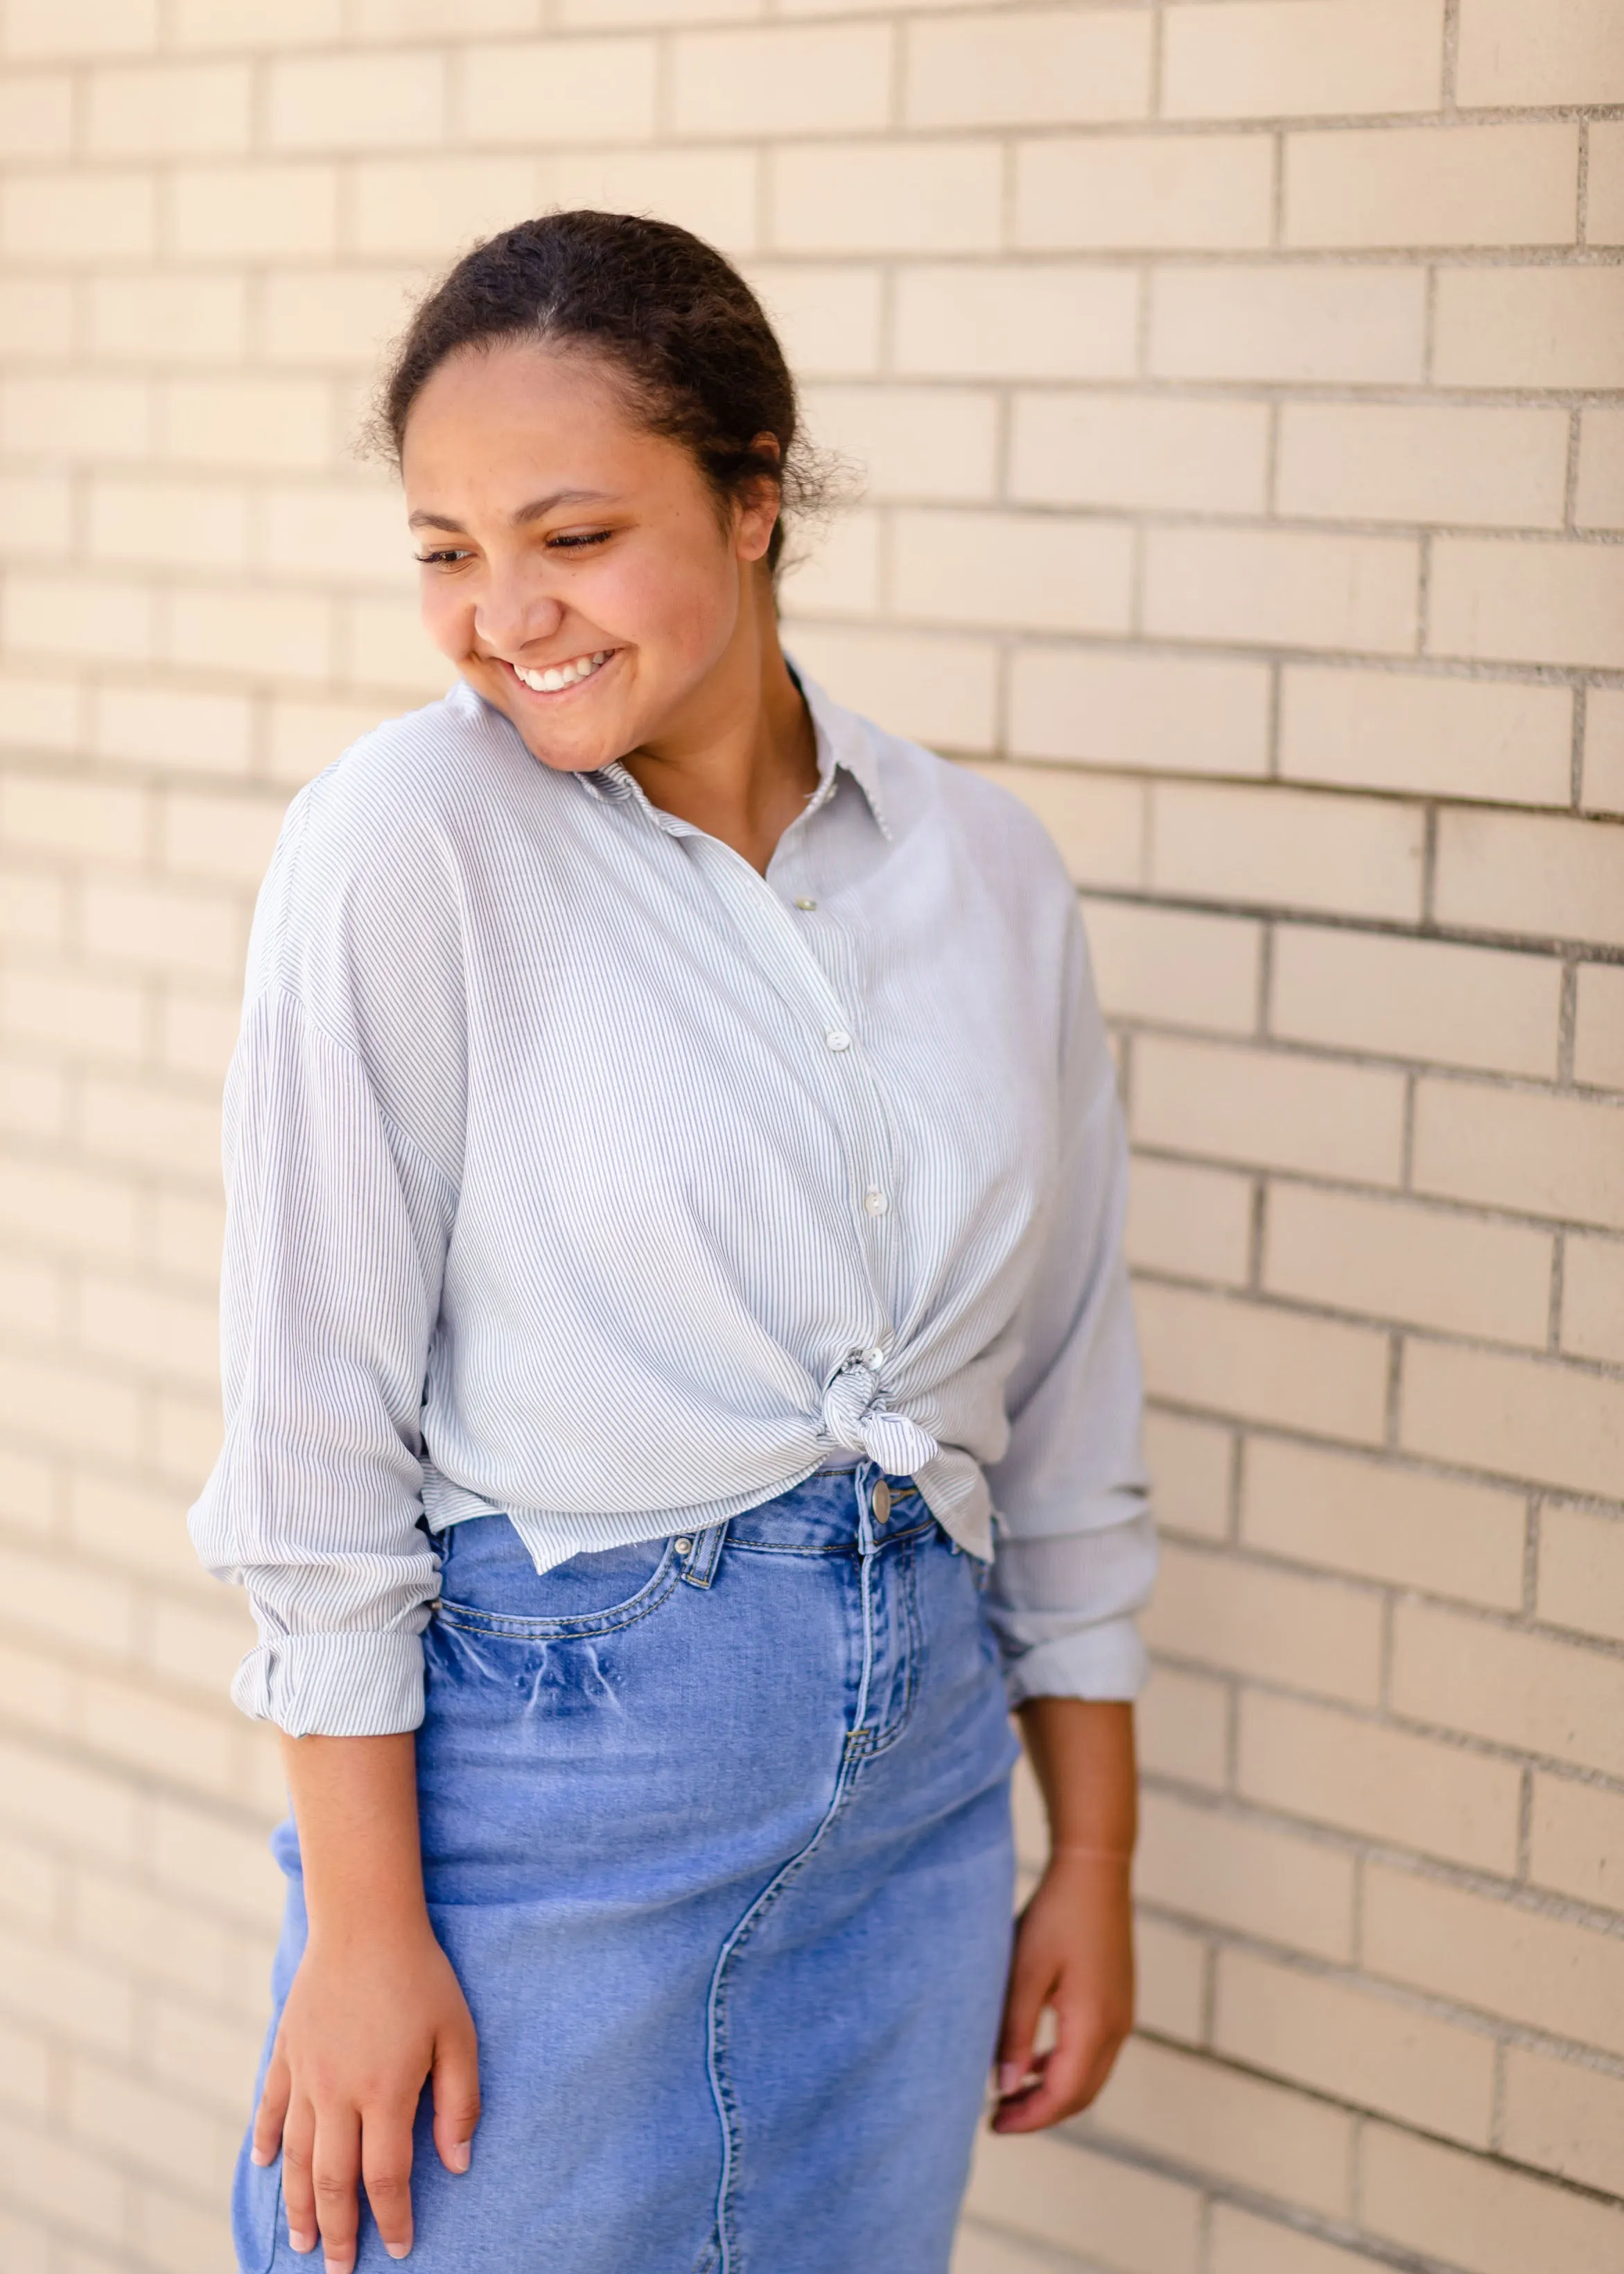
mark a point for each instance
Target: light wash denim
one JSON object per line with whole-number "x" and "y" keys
{"x": 717, "y": 1836}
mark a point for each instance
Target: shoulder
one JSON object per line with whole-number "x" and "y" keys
{"x": 366, "y": 871}
{"x": 406, "y": 812}
{"x": 405, "y": 786}
{"x": 978, "y": 816}
{"x": 1003, "y": 862}
{"x": 998, "y": 821}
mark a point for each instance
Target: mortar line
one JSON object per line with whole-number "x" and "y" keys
{"x": 1582, "y": 203}
{"x": 1567, "y": 1022}
{"x": 1581, "y": 725}
{"x": 1532, "y": 1542}
{"x": 1450, "y": 70}
{"x": 1554, "y": 1318}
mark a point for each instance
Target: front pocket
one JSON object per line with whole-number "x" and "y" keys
{"x": 573, "y": 1582}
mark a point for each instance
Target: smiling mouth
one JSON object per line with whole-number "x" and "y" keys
{"x": 560, "y": 677}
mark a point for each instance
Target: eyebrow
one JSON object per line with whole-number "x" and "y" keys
{"x": 537, "y": 509}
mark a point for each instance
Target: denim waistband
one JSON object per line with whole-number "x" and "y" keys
{"x": 826, "y": 1511}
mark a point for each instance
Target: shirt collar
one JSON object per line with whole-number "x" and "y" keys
{"x": 844, "y": 739}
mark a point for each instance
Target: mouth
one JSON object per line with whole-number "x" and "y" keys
{"x": 559, "y": 678}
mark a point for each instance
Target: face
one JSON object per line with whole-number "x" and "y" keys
{"x": 575, "y": 567}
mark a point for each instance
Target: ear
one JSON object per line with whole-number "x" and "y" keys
{"x": 760, "y": 502}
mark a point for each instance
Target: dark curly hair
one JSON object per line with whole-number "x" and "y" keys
{"x": 690, "y": 342}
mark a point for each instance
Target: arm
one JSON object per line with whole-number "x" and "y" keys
{"x": 1074, "y": 1945}
{"x": 343, "y": 1131}
{"x": 335, "y": 1247}
{"x": 375, "y": 2010}
{"x": 1074, "y": 1561}
{"x": 342, "y": 1159}
{"x": 336, "y": 1228}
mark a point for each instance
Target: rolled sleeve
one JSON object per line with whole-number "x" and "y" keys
{"x": 1075, "y": 1551}
{"x": 337, "y": 1234}
{"x": 334, "y": 1685}
{"x": 1062, "y": 1611}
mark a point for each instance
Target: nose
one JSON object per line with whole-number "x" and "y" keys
{"x": 512, "y": 613}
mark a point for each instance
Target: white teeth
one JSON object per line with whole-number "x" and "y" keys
{"x": 562, "y": 674}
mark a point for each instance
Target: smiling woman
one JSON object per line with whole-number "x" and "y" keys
{"x": 682, "y": 1388}
{"x": 597, "y": 432}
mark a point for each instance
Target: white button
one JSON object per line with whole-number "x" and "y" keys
{"x": 684, "y": 1546}
{"x": 875, "y": 1200}
{"x": 838, "y": 1039}
{"x": 808, "y": 905}
{"x": 874, "y": 1356}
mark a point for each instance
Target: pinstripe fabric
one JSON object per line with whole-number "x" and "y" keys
{"x": 576, "y": 1170}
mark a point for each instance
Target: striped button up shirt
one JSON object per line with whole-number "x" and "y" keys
{"x": 577, "y": 1170}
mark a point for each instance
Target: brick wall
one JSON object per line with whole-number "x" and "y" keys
{"x": 1237, "y": 384}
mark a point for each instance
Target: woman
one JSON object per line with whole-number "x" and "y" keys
{"x": 676, "y": 1189}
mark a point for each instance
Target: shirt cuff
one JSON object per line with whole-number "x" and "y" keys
{"x": 334, "y": 1685}
{"x": 1104, "y": 1661}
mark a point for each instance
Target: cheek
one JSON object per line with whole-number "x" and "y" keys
{"x": 684, "y": 609}
{"x": 447, "y": 617}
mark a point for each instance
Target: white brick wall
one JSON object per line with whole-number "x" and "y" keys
{"x": 1236, "y": 384}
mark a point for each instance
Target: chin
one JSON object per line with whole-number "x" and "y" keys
{"x": 577, "y": 753}
{"x": 572, "y": 762}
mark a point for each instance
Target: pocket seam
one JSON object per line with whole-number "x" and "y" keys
{"x": 581, "y": 1626}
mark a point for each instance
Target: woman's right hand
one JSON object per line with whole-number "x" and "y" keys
{"x": 365, "y": 2026}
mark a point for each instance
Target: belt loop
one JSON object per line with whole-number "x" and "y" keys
{"x": 705, "y": 1553}
{"x": 866, "y": 1476}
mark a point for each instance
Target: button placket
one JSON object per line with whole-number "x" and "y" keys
{"x": 784, "y": 941}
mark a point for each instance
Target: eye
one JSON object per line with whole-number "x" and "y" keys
{"x": 574, "y": 540}
{"x": 439, "y": 559}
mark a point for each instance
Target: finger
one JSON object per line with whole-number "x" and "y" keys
{"x": 335, "y": 2173}
{"x": 1013, "y": 2113}
{"x": 386, "y": 2167}
{"x": 1098, "y": 2059}
{"x": 1067, "y": 2077}
{"x": 1057, "y": 2077}
{"x": 272, "y": 2111}
{"x": 298, "y": 2137}
{"x": 1030, "y": 1984}
{"x": 456, "y": 2097}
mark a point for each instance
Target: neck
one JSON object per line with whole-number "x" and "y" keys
{"x": 740, "y": 759}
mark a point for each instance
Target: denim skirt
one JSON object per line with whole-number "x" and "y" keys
{"x": 716, "y": 1832}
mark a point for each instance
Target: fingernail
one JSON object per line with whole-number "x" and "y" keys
{"x": 301, "y": 2241}
{"x": 258, "y": 2156}
{"x": 456, "y": 2155}
{"x": 398, "y": 2249}
{"x": 1010, "y": 2075}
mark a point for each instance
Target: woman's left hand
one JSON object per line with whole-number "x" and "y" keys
{"x": 1074, "y": 1955}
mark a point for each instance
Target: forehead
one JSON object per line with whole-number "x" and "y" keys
{"x": 516, "y": 391}
{"x": 510, "y": 431}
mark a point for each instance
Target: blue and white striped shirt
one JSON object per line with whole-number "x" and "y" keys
{"x": 576, "y": 1170}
